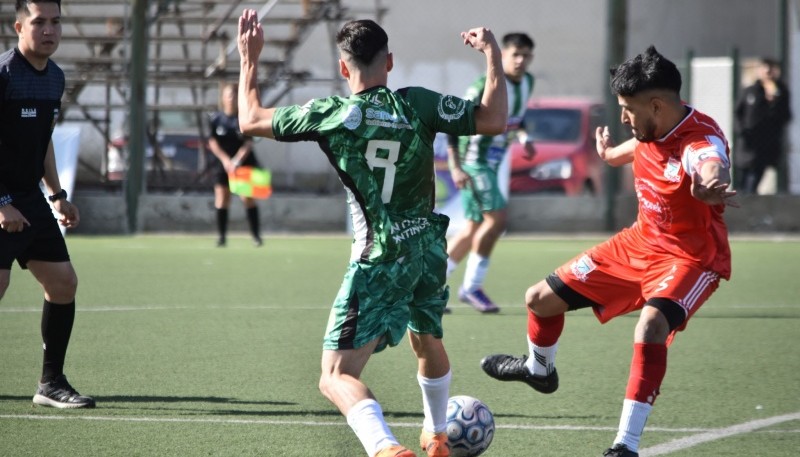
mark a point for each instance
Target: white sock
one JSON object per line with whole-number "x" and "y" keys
{"x": 475, "y": 272}
{"x": 435, "y": 393}
{"x": 631, "y": 423}
{"x": 451, "y": 267}
{"x": 542, "y": 360}
{"x": 366, "y": 420}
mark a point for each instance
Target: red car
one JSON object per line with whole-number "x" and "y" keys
{"x": 566, "y": 161}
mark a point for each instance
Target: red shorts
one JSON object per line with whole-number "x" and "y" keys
{"x": 621, "y": 274}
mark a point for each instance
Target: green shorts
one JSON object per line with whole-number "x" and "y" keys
{"x": 483, "y": 195}
{"x": 383, "y": 300}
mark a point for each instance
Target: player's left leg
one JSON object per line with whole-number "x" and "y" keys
{"x": 253, "y": 221}
{"x": 59, "y": 281}
{"x": 680, "y": 290}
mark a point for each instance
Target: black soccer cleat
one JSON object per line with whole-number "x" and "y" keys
{"x": 59, "y": 394}
{"x": 510, "y": 368}
{"x": 619, "y": 450}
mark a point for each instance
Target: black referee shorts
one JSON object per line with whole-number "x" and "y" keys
{"x": 42, "y": 240}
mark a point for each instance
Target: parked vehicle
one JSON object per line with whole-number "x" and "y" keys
{"x": 566, "y": 160}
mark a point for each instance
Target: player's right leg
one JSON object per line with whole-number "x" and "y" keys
{"x": 545, "y": 323}
{"x": 222, "y": 200}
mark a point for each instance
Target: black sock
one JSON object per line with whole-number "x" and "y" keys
{"x": 56, "y": 329}
{"x": 252, "y": 219}
{"x": 222, "y": 223}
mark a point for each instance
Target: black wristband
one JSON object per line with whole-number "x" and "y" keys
{"x": 58, "y": 196}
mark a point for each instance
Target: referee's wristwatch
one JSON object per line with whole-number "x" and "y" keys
{"x": 58, "y": 196}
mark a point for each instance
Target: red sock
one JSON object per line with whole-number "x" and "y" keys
{"x": 545, "y": 331}
{"x": 648, "y": 367}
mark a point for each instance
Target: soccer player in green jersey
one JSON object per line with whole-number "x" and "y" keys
{"x": 473, "y": 164}
{"x": 380, "y": 142}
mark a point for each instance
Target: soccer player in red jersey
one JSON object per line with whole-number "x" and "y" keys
{"x": 665, "y": 265}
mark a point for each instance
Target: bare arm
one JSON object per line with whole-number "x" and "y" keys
{"x": 710, "y": 184}
{"x": 611, "y": 154}
{"x": 491, "y": 117}
{"x": 70, "y": 217}
{"x": 254, "y": 120}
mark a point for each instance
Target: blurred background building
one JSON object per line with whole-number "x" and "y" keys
{"x": 181, "y": 50}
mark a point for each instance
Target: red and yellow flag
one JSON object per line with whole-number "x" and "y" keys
{"x": 251, "y": 182}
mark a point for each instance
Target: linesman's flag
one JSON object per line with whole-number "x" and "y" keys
{"x": 251, "y": 182}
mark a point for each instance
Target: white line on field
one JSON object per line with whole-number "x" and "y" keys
{"x": 716, "y": 434}
{"x": 702, "y": 432}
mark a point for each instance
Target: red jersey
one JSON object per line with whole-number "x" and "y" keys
{"x": 670, "y": 219}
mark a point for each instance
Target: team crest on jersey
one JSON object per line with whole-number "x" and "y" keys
{"x": 673, "y": 170}
{"x": 352, "y": 117}
{"x": 451, "y": 108}
{"x": 582, "y": 267}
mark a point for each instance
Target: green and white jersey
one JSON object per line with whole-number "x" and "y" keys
{"x": 380, "y": 143}
{"x": 489, "y": 150}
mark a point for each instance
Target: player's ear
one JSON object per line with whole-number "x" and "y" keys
{"x": 389, "y": 62}
{"x": 343, "y": 70}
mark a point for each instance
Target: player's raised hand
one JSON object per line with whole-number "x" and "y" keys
{"x": 251, "y": 36}
{"x": 479, "y": 38}
{"x": 603, "y": 141}
{"x": 713, "y": 193}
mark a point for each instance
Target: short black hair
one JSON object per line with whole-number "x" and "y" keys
{"x": 517, "y": 39}
{"x": 22, "y": 5}
{"x": 363, "y": 39}
{"x": 647, "y": 71}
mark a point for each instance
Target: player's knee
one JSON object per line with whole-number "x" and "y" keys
{"x": 533, "y": 298}
{"x": 62, "y": 289}
{"x": 4, "y": 281}
{"x": 653, "y": 327}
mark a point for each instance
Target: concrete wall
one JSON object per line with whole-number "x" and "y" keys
{"x": 103, "y": 213}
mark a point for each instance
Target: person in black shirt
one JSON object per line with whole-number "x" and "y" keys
{"x": 31, "y": 86}
{"x": 761, "y": 115}
{"x": 232, "y": 149}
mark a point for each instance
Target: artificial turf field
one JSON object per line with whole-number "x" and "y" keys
{"x": 192, "y": 350}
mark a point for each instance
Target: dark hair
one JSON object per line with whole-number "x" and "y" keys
{"x": 22, "y": 5}
{"x": 770, "y": 62}
{"x": 517, "y": 39}
{"x": 647, "y": 71}
{"x": 363, "y": 39}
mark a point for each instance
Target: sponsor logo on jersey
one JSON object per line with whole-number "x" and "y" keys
{"x": 380, "y": 118}
{"x": 352, "y": 117}
{"x": 28, "y": 113}
{"x": 451, "y": 108}
{"x": 652, "y": 205}
{"x": 407, "y": 228}
{"x": 673, "y": 170}
{"x": 582, "y": 267}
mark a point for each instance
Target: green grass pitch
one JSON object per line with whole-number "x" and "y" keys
{"x": 191, "y": 350}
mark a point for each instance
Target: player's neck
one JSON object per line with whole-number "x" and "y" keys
{"x": 37, "y": 61}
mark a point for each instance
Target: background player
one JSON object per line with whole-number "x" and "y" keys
{"x": 473, "y": 166}
{"x": 381, "y": 144}
{"x": 665, "y": 265}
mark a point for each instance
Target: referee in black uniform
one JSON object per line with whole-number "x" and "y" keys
{"x": 31, "y": 86}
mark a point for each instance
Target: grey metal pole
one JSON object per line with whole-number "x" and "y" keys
{"x": 135, "y": 176}
{"x": 616, "y": 33}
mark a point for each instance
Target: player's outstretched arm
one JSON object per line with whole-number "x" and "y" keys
{"x": 710, "y": 185}
{"x": 492, "y": 116}
{"x": 253, "y": 119}
{"x": 614, "y": 155}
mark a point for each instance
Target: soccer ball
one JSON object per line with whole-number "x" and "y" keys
{"x": 470, "y": 426}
